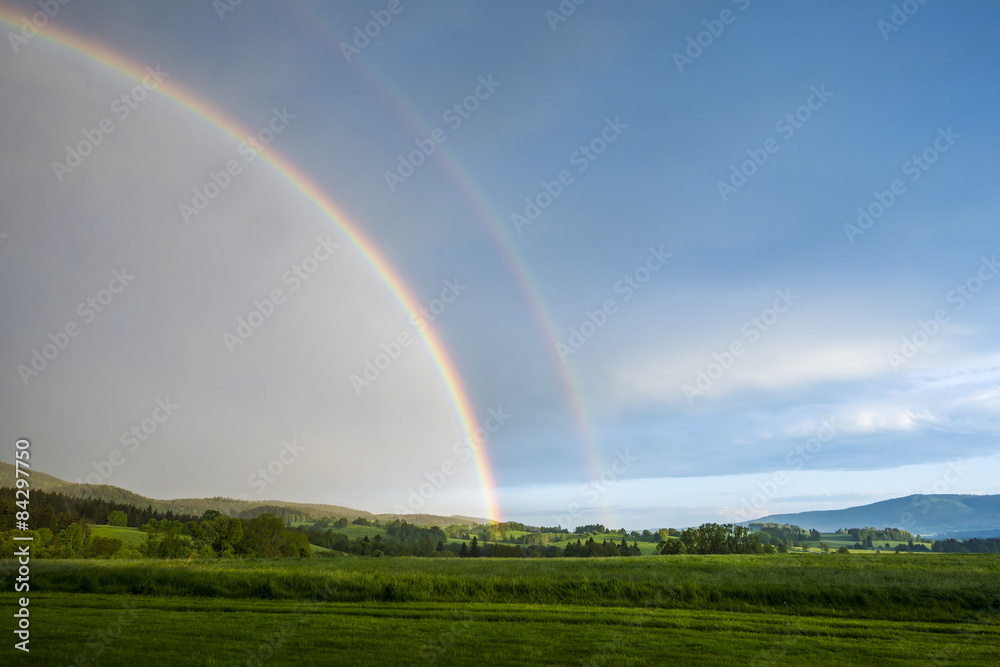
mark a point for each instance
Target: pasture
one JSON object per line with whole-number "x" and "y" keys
{"x": 852, "y": 609}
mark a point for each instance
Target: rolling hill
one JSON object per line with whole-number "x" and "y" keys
{"x": 230, "y": 506}
{"x": 939, "y": 516}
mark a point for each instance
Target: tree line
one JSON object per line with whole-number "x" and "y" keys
{"x": 713, "y": 538}
{"x": 61, "y": 525}
{"x": 55, "y": 511}
{"x": 974, "y": 545}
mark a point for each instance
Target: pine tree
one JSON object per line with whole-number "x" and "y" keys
{"x": 475, "y": 551}
{"x": 464, "y": 551}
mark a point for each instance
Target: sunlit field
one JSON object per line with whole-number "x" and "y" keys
{"x": 857, "y": 609}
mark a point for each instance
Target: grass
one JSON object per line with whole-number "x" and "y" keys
{"x": 111, "y": 630}
{"x": 132, "y": 537}
{"x": 858, "y": 609}
{"x": 891, "y": 586}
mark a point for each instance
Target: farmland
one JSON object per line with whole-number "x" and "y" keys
{"x": 889, "y": 608}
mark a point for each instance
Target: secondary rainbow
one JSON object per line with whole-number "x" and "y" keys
{"x": 493, "y": 222}
{"x": 171, "y": 90}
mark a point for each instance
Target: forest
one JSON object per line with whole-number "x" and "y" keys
{"x": 67, "y": 527}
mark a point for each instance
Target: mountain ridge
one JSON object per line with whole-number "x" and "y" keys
{"x": 230, "y": 506}
{"x": 928, "y": 515}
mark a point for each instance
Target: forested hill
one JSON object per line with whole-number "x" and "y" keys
{"x": 941, "y": 515}
{"x": 229, "y": 506}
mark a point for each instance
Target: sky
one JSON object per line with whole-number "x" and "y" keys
{"x": 642, "y": 264}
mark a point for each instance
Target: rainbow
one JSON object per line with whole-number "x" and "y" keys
{"x": 177, "y": 94}
{"x": 493, "y": 222}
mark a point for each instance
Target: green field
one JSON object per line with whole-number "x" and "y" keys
{"x": 865, "y": 609}
{"x": 355, "y": 532}
{"x": 132, "y": 537}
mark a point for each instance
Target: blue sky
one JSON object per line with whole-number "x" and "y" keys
{"x": 745, "y": 159}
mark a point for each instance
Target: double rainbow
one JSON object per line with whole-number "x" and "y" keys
{"x": 98, "y": 53}
{"x": 494, "y": 222}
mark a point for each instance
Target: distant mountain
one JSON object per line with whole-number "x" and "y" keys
{"x": 939, "y": 516}
{"x": 230, "y": 506}
{"x": 38, "y": 480}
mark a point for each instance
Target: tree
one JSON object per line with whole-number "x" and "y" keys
{"x": 824, "y": 547}
{"x": 843, "y": 550}
{"x": 671, "y": 547}
{"x": 296, "y": 544}
{"x": 104, "y": 547}
{"x": 265, "y": 535}
{"x": 474, "y": 550}
{"x": 47, "y": 519}
{"x": 464, "y": 551}
{"x": 117, "y": 518}
{"x": 228, "y": 533}
{"x": 74, "y": 539}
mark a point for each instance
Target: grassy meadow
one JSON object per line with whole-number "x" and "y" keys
{"x": 852, "y": 609}
{"x": 132, "y": 537}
